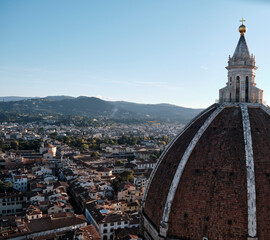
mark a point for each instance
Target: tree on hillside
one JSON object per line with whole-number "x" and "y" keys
{"x": 115, "y": 185}
{"x": 94, "y": 154}
{"x": 6, "y": 186}
{"x": 14, "y": 145}
{"x": 84, "y": 147}
{"x": 126, "y": 176}
{"x": 155, "y": 156}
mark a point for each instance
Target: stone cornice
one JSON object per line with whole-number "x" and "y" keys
{"x": 241, "y": 66}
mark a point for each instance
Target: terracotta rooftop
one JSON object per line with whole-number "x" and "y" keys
{"x": 55, "y": 221}
{"x": 90, "y": 233}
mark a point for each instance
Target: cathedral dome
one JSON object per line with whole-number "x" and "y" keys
{"x": 201, "y": 184}
{"x": 213, "y": 179}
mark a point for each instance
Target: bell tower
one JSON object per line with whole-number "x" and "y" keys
{"x": 241, "y": 86}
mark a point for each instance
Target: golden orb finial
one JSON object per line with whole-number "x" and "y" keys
{"x": 242, "y": 28}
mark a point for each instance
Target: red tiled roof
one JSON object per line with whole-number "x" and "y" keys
{"x": 55, "y": 221}
{"x": 90, "y": 233}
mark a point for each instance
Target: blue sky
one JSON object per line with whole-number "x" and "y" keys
{"x": 153, "y": 51}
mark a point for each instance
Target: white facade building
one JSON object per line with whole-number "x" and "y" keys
{"x": 20, "y": 183}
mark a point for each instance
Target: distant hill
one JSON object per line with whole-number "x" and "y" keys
{"x": 163, "y": 111}
{"x": 77, "y": 106}
{"x": 58, "y": 98}
{"x": 95, "y": 107}
{"x": 15, "y": 98}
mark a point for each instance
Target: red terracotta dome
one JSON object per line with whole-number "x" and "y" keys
{"x": 213, "y": 180}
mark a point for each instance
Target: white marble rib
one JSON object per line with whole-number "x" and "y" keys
{"x": 183, "y": 162}
{"x": 167, "y": 149}
{"x": 251, "y": 189}
{"x": 266, "y": 109}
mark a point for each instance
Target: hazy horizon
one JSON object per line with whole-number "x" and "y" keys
{"x": 95, "y": 97}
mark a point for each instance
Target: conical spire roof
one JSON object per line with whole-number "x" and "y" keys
{"x": 242, "y": 56}
{"x": 241, "y": 52}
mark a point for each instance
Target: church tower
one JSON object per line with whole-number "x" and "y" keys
{"x": 241, "y": 86}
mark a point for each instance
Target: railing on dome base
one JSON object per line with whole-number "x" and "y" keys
{"x": 260, "y": 101}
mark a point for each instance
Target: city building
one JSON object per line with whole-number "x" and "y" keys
{"x": 106, "y": 222}
{"x": 12, "y": 204}
{"x": 53, "y": 225}
{"x": 20, "y": 183}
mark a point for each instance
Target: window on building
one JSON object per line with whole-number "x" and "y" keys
{"x": 247, "y": 90}
{"x": 237, "y": 89}
{"x": 253, "y": 97}
{"x": 105, "y": 231}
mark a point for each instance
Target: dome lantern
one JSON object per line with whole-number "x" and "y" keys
{"x": 241, "y": 86}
